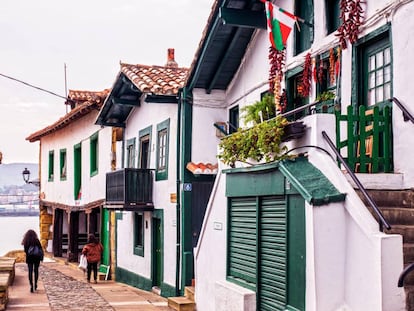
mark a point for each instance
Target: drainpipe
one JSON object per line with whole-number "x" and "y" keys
{"x": 178, "y": 194}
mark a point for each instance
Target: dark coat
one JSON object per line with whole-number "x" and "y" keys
{"x": 33, "y": 259}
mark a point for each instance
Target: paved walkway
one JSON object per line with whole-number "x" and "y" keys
{"x": 63, "y": 287}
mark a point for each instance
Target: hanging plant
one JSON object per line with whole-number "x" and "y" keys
{"x": 260, "y": 142}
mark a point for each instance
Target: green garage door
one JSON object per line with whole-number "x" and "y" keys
{"x": 272, "y": 255}
{"x": 258, "y": 252}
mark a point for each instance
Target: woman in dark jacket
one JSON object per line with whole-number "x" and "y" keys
{"x": 93, "y": 252}
{"x": 30, "y": 239}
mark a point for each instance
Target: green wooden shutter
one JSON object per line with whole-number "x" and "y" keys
{"x": 242, "y": 260}
{"x": 272, "y": 255}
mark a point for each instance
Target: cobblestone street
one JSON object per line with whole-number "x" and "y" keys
{"x": 63, "y": 287}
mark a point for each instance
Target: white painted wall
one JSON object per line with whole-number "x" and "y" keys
{"x": 151, "y": 114}
{"x": 348, "y": 261}
{"x": 93, "y": 188}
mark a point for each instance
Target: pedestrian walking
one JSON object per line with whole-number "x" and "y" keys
{"x": 34, "y": 255}
{"x": 93, "y": 252}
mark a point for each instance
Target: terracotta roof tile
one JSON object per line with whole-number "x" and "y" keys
{"x": 85, "y": 102}
{"x": 202, "y": 168}
{"x": 158, "y": 80}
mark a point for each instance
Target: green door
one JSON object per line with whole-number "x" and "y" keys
{"x": 157, "y": 252}
{"x": 105, "y": 237}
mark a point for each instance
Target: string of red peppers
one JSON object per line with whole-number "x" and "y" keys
{"x": 352, "y": 16}
{"x": 307, "y": 76}
{"x": 277, "y": 61}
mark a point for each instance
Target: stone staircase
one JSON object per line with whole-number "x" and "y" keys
{"x": 397, "y": 207}
{"x": 186, "y": 303}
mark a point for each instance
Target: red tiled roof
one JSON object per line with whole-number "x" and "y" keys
{"x": 158, "y": 80}
{"x": 202, "y": 168}
{"x": 86, "y": 101}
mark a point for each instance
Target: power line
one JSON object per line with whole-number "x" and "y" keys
{"x": 35, "y": 87}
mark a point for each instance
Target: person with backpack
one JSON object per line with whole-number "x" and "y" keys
{"x": 93, "y": 252}
{"x": 34, "y": 255}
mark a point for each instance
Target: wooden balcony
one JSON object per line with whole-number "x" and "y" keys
{"x": 129, "y": 189}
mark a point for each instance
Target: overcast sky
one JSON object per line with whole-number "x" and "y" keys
{"x": 91, "y": 37}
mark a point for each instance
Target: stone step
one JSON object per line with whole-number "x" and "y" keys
{"x": 181, "y": 303}
{"x": 189, "y": 292}
{"x": 409, "y": 297}
{"x": 407, "y": 231}
{"x": 398, "y": 215}
{"x": 400, "y": 198}
{"x": 408, "y": 251}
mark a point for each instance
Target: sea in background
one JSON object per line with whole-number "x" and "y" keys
{"x": 12, "y": 230}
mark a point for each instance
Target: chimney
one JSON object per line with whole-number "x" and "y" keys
{"x": 170, "y": 59}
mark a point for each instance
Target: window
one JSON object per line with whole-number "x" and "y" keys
{"x": 304, "y": 37}
{"x": 94, "y": 154}
{"x": 51, "y": 165}
{"x": 294, "y": 87}
{"x": 77, "y": 171}
{"x": 139, "y": 234}
{"x": 162, "y": 150}
{"x": 130, "y": 153}
{"x": 144, "y": 147}
{"x": 233, "y": 119}
{"x": 374, "y": 63}
{"x": 332, "y": 10}
{"x": 63, "y": 167}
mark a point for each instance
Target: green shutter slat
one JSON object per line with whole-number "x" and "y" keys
{"x": 273, "y": 234}
{"x": 242, "y": 240}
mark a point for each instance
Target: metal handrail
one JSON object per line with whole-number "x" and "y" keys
{"x": 299, "y": 109}
{"x": 404, "y": 273}
{"x": 406, "y": 114}
{"x": 383, "y": 222}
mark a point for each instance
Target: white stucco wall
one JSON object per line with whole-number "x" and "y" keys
{"x": 151, "y": 114}
{"x": 93, "y": 188}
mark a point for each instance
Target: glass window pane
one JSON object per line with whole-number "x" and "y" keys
{"x": 387, "y": 91}
{"x": 387, "y": 74}
{"x": 371, "y": 80}
{"x": 371, "y": 63}
{"x": 387, "y": 56}
{"x": 371, "y": 97}
{"x": 380, "y": 94}
{"x": 379, "y": 77}
{"x": 380, "y": 60}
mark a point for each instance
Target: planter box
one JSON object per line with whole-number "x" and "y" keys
{"x": 294, "y": 130}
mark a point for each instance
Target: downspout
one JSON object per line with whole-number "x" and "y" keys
{"x": 178, "y": 196}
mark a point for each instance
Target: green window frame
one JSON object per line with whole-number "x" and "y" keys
{"x": 94, "y": 154}
{"x": 372, "y": 69}
{"x": 304, "y": 37}
{"x": 130, "y": 153}
{"x": 77, "y": 171}
{"x": 63, "y": 164}
{"x": 332, "y": 14}
{"x": 139, "y": 231}
{"x": 144, "y": 150}
{"x": 161, "y": 172}
{"x": 51, "y": 169}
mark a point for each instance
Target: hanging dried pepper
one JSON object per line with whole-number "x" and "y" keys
{"x": 331, "y": 66}
{"x": 283, "y": 101}
{"x": 351, "y": 17}
{"x": 321, "y": 74}
{"x": 277, "y": 61}
{"x": 307, "y": 76}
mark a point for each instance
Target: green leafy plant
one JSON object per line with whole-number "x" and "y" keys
{"x": 266, "y": 106}
{"x": 260, "y": 142}
{"x": 325, "y": 96}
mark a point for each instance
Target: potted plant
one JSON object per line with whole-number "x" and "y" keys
{"x": 326, "y": 102}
